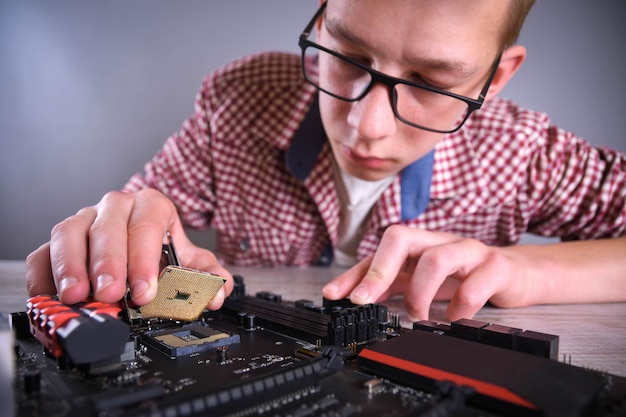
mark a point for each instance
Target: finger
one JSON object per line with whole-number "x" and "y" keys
{"x": 108, "y": 243}
{"x": 69, "y": 256}
{"x": 218, "y": 300}
{"x": 397, "y": 287}
{"x": 202, "y": 259}
{"x": 398, "y": 246}
{"x": 38, "y": 274}
{"x": 225, "y": 291}
{"x": 468, "y": 299}
{"x": 447, "y": 289}
{"x": 485, "y": 280}
{"x": 341, "y": 286}
{"x": 153, "y": 215}
{"x": 431, "y": 275}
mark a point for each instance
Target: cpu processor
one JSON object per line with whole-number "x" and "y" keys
{"x": 182, "y": 294}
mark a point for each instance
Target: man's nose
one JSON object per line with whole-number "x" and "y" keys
{"x": 372, "y": 116}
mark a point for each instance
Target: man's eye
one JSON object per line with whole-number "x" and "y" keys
{"x": 418, "y": 79}
{"x": 363, "y": 61}
{"x": 355, "y": 58}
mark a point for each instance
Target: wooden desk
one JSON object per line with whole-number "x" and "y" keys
{"x": 593, "y": 335}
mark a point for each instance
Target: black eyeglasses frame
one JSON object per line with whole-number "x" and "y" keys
{"x": 378, "y": 77}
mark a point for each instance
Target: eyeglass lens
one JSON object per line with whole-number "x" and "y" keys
{"x": 416, "y": 106}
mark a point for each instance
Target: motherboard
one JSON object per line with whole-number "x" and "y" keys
{"x": 260, "y": 355}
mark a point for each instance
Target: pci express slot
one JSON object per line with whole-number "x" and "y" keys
{"x": 243, "y": 397}
{"x": 308, "y": 325}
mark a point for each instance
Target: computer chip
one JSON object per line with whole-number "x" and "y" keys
{"x": 182, "y": 294}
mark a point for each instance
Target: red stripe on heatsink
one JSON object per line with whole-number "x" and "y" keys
{"x": 485, "y": 388}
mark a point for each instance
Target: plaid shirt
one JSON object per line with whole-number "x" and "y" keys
{"x": 254, "y": 164}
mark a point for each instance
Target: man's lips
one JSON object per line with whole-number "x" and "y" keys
{"x": 364, "y": 160}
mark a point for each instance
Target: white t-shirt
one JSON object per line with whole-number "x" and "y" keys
{"x": 357, "y": 197}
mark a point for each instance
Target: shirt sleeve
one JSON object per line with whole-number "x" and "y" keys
{"x": 578, "y": 191}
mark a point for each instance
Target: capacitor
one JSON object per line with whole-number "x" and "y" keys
{"x": 241, "y": 318}
{"x": 250, "y": 322}
{"x": 222, "y": 353}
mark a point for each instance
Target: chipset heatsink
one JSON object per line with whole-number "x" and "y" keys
{"x": 182, "y": 294}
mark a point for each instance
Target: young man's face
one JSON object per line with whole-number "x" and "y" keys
{"x": 450, "y": 44}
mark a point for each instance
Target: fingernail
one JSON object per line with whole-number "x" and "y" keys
{"x": 330, "y": 288}
{"x": 139, "y": 288}
{"x": 103, "y": 281}
{"x": 361, "y": 293}
{"x": 66, "y": 283}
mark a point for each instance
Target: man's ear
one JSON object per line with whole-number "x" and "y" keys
{"x": 319, "y": 21}
{"x": 511, "y": 61}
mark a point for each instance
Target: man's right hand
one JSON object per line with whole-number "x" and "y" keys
{"x": 119, "y": 240}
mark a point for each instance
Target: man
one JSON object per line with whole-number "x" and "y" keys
{"x": 381, "y": 156}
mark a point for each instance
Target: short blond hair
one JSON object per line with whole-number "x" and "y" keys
{"x": 518, "y": 11}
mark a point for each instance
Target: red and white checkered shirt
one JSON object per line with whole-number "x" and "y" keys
{"x": 253, "y": 163}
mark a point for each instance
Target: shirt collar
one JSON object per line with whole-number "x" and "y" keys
{"x": 309, "y": 140}
{"x": 307, "y": 143}
{"x": 415, "y": 183}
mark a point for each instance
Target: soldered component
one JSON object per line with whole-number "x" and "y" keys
{"x": 182, "y": 294}
{"x": 373, "y": 385}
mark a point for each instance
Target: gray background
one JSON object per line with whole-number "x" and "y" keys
{"x": 89, "y": 90}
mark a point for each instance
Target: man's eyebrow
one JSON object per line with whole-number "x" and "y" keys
{"x": 335, "y": 28}
{"x": 453, "y": 67}
{"x": 462, "y": 69}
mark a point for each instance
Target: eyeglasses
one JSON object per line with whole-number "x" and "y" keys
{"x": 418, "y": 105}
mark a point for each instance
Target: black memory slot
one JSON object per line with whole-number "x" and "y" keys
{"x": 291, "y": 317}
{"x": 279, "y": 311}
